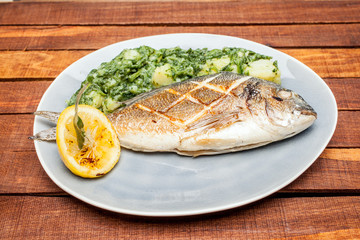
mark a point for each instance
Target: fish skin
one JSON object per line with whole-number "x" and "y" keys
{"x": 207, "y": 115}
{"x": 211, "y": 114}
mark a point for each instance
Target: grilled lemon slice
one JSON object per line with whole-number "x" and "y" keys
{"x": 101, "y": 149}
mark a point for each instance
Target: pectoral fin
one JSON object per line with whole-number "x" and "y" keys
{"x": 215, "y": 121}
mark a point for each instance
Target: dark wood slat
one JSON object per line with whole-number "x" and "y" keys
{"x": 15, "y": 130}
{"x": 36, "y": 64}
{"x": 21, "y": 172}
{"x": 123, "y": 13}
{"x": 24, "y": 96}
{"x": 21, "y": 96}
{"x": 68, "y": 218}
{"x": 346, "y": 92}
{"x": 335, "y": 170}
{"x": 347, "y": 133}
{"x": 77, "y": 37}
{"x": 328, "y": 63}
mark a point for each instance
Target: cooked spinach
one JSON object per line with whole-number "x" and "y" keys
{"x": 142, "y": 69}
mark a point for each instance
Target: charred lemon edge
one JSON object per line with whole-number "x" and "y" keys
{"x": 69, "y": 160}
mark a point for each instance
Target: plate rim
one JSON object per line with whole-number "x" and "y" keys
{"x": 180, "y": 213}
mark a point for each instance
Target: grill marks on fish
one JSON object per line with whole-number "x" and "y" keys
{"x": 175, "y": 116}
{"x": 187, "y": 110}
{"x": 173, "y": 120}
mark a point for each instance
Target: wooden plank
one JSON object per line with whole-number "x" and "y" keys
{"x": 347, "y": 130}
{"x": 347, "y": 133}
{"x": 21, "y": 172}
{"x": 15, "y": 130}
{"x": 21, "y": 96}
{"x": 68, "y": 218}
{"x": 346, "y": 92}
{"x": 36, "y": 65}
{"x": 24, "y": 96}
{"x": 328, "y": 63}
{"x": 336, "y": 170}
{"x": 77, "y": 37}
{"x": 177, "y": 12}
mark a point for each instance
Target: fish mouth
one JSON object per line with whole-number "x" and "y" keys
{"x": 308, "y": 112}
{"x": 304, "y": 108}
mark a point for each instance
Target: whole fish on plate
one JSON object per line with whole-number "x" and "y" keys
{"x": 211, "y": 114}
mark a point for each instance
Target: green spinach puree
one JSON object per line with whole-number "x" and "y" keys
{"x": 142, "y": 69}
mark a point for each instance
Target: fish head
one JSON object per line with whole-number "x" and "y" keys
{"x": 285, "y": 110}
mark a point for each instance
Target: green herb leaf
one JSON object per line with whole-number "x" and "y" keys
{"x": 80, "y": 133}
{"x": 78, "y": 123}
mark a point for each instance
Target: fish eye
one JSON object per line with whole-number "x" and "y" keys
{"x": 284, "y": 94}
{"x": 277, "y": 98}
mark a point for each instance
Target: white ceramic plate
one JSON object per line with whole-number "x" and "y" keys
{"x": 165, "y": 184}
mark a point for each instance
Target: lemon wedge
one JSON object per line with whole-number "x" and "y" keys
{"x": 101, "y": 149}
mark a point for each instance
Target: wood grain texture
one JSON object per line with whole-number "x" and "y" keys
{"x": 336, "y": 170}
{"x": 15, "y": 130}
{"x": 36, "y": 65}
{"x": 24, "y": 96}
{"x": 68, "y": 218}
{"x": 346, "y": 91}
{"x": 95, "y": 37}
{"x": 21, "y": 96}
{"x": 124, "y": 13}
{"x": 328, "y": 63}
{"x": 21, "y": 172}
{"x": 347, "y": 130}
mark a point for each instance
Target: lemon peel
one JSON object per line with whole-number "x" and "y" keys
{"x": 101, "y": 149}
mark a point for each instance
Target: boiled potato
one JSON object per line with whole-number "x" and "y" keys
{"x": 264, "y": 69}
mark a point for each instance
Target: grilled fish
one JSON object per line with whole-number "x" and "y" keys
{"x": 211, "y": 114}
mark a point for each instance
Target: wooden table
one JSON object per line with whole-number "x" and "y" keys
{"x": 38, "y": 40}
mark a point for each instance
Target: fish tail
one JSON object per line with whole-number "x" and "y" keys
{"x": 47, "y": 135}
{"x": 51, "y": 116}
